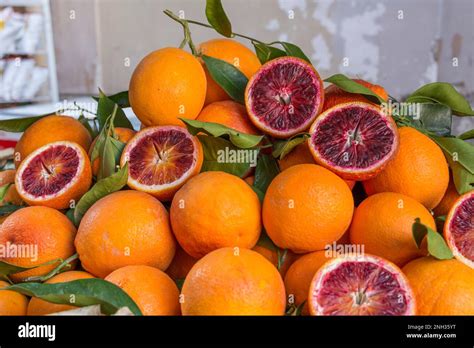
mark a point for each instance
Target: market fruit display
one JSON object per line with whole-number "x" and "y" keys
{"x": 251, "y": 185}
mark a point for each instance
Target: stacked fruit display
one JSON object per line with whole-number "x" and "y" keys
{"x": 250, "y": 190}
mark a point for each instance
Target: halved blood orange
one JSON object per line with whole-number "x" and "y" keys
{"x": 56, "y": 175}
{"x": 355, "y": 140}
{"x": 360, "y": 285}
{"x": 284, "y": 96}
{"x": 459, "y": 229}
{"x": 161, "y": 159}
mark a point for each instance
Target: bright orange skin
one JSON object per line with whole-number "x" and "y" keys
{"x": 123, "y": 134}
{"x": 167, "y": 84}
{"x": 333, "y": 95}
{"x": 12, "y": 196}
{"x": 299, "y": 275}
{"x": 450, "y": 197}
{"x": 125, "y": 228}
{"x": 229, "y": 114}
{"x": 301, "y": 155}
{"x": 441, "y": 287}
{"x": 48, "y": 130}
{"x": 232, "y": 52}
{"x": 307, "y": 207}
{"x": 418, "y": 170}
{"x": 215, "y": 210}
{"x": 181, "y": 264}
{"x": 72, "y": 194}
{"x": 151, "y": 289}
{"x": 383, "y": 224}
{"x": 453, "y": 213}
{"x": 45, "y": 227}
{"x": 12, "y": 302}
{"x": 225, "y": 283}
{"x": 272, "y": 256}
{"x": 41, "y": 307}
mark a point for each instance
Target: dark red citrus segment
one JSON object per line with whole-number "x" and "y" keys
{"x": 354, "y": 137}
{"x": 284, "y": 96}
{"x": 161, "y": 156}
{"x": 461, "y": 227}
{"x": 50, "y": 170}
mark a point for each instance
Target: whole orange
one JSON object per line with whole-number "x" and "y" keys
{"x": 12, "y": 302}
{"x": 233, "y": 281}
{"x": 181, "y": 264}
{"x": 232, "y": 52}
{"x": 48, "y": 130}
{"x": 229, "y": 114}
{"x": 43, "y": 233}
{"x": 383, "y": 223}
{"x": 307, "y": 207}
{"x": 123, "y": 135}
{"x": 125, "y": 228}
{"x": 152, "y": 290}
{"x": 215, "y": 210}
{"x": 441, "y": 287}
{"x": 42, "y": 307}
{"x": 167, "y": 84}
{"x": 11, "y": 196}
{"x": 419, "y": 170}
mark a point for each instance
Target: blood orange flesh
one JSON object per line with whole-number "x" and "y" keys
{"x": 355, "y": 140}
{"x": 54, "y": 174}
{"x": 161, "y": 159}
{"x": 459, "y": 229}
{"x": 360, "y": 285}
{"x": 284, "y": 96}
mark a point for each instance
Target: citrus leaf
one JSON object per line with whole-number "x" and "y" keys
{"x": 294, "y": 51}
{"x": 281, "y": 148}
{"x": 7, "y": 269}
{"x": 458, "y": 150}
{"x": 120, "y": 98}
{"x": 266, "y": 53}
{"x": 435, "y": 118}
{"x": 231, "y": 79}
{"x": 443, "y": 93}
{"x": 63, "y": 266}
{"x": 85, "y": 122}
{"x": 462, "y": 178}
{"x": 241, "y": 140}
{"x": 86, "y": 292}
{"x": 110, "y": 157}
{"x": 214, "y": 156}
{"x": 419, "y": 232}
{"x": 19, "y": 125}
{"x": 4, "y": 190}
{"x": 437, "y": 246}
{"x": 349, "y": 85}
{"x": 102, "y": 188}
{"x": 266, "y": 170}
{"x": 467, "y": 135}
{"x": 217, "y": 17}
{"x": 8, "y": 209}
{"x": 265, "y": 242}
{"x": 105, "y": 108}
{"x": 281, "y": 254}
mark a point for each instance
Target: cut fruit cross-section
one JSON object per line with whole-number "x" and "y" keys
{"x": 355, "y": 140}
{"x": 459, "y": 229}
{"x": 161, "y": 160}
{"x": 284, "y": 97}
{"x": 360, "y": 285}
{"x": 55, "y": 175}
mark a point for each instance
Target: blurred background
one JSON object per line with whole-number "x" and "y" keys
{"x": 56, "y": 49}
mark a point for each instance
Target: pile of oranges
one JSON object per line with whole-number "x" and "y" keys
{"x": 233, "y": 253}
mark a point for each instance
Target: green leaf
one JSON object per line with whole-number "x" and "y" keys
{"x": 62, "y": 267}
{"x": 458, "y": 150}
{"x": 351, "y": 86}
{"x": 110, "y": 157}
{"x": 265, "y": 242}
{"x": 105, "y": 108}
{"x": 443, "y": 93}
{"x": 19, "y": 125}
{"x": 215, "y": 150}
{"x": 7, "y": 269}
{"x": 4, "y": 190}
{"x": 467, "y": 135}
{"x": 281, "y": 254}
{"x": 120, "y": 98}
{"x": 241, "y": 140}
{"x": 281, "y": 148}
{"x": 85, "y": 122}
{"x": 231, "y": 79}
{"x": 294, "y": 51}
{"x": 217, "y": 17}
{"x": 86, "y": 292}
{"x": 437, "y": 246}
{"x": 463, "y": 179}
{"x": 102, "y": 188}
{"x": 7, "y": 209}
{"x": 266, "y": 53}
{"x": 266, "y": 170}
{"x": 435, "y": 118}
